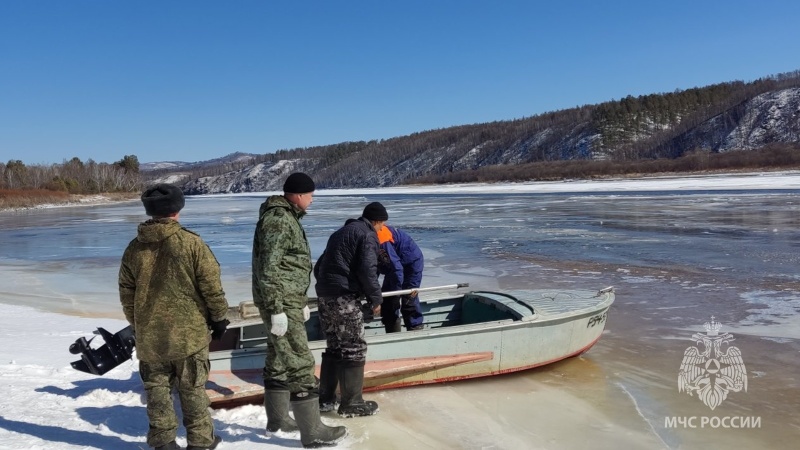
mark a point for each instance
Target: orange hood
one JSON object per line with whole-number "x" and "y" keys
{"x": 385, "y": 235}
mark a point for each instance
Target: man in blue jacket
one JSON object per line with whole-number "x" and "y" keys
{"x": 401, "y": 262}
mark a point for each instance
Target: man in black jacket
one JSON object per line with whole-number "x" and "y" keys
{"x": 346, "y": 272}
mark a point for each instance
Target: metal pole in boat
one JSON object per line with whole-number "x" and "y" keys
{"x": 313, "y": 301}
{"x": 427, "y": 289}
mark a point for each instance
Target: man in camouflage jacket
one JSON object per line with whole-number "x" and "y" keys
{"x": 281, "y": 276}
{"x": 171, "y": 292}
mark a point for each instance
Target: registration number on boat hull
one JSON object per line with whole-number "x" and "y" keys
{"x": 597, "y": 319}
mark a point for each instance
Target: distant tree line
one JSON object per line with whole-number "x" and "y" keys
{"x": 73, "y": 176}
{"x": 649, "y": 126}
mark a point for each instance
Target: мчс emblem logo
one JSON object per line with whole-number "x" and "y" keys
{"x": 712, "y": 373}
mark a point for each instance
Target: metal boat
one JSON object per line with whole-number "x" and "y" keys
{"x": 466, "y": 335}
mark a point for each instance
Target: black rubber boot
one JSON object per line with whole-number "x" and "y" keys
{"x": 314, "y": 433}
{"x": 351, "y": 384}
{"x": 276, "y": 402}
{"x": 169, "y": 446}
{"x": 396, "y": 327}
{"x": 328, "y": 382}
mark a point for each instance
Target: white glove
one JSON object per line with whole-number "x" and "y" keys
{"x": 280, "y": 323}
{"x": 306, "y": 313}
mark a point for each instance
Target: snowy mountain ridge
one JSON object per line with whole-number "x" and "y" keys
{"x": 770, "y": 117}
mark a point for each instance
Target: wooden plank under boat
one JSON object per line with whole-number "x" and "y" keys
{"x": 466, "y": 335}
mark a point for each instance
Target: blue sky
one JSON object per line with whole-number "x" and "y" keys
{"x": 195, "y": 80}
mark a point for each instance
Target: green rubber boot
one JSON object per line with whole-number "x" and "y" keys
{"x": 314, "y": 433}
{"x": 276, "y": 402}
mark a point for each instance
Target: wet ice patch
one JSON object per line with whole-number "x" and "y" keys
{"x": 771, "y": 304}
{"x": 638, "y": 280}
{"x": 776, "y": 314}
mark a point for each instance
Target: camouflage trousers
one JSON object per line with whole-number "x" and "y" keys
{"x": 289, "y": 363}
{"x": 189, "y": 376}
{"x": 343, "y": 324}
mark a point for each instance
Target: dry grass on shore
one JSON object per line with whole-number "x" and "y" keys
{"x": 28, "y": 198}
{"x": 13, "y": 199}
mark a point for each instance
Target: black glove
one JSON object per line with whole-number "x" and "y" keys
{"x": 366, "y": 311}
{"x": 384, "y": 262}
{"x": 408, "y": 300}
{"x": 218, "y": 329}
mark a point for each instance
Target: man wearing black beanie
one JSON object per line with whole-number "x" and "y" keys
{"x": 171, "y": 293}
{"x": 298, "y": 183}
{"x": 375, "y": 212}
{"x": 281, "y": 277}
{"x": 346, "y": 272}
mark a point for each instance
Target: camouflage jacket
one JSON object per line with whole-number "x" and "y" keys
{"x": 170, "y": 288}
{"x": 281, "y": 257}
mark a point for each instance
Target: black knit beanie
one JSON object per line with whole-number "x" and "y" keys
{"x": 375, "y": 212}
{"x": 162, "y": 200}
{"x": 298, "y": 183}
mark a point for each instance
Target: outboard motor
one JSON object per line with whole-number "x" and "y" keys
{"x": 117, "y": 349}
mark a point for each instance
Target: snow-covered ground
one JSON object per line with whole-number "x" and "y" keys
{"x": 46, "y": 405}
{"x": 49, "y": 405}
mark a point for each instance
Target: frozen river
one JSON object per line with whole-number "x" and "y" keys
{"x": 676, "y": 258}
{"x": 66, "y": 259}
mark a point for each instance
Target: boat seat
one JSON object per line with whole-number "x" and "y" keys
{"x": 248, "y": 310}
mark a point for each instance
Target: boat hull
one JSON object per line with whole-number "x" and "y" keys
{"x": 537, "y": 331}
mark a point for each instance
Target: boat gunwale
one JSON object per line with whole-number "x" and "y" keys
{"x": 524, "y": 314}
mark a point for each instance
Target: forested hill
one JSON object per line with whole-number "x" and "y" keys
{"x": 725, "y": 117}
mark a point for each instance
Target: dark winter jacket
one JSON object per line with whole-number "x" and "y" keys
{"x": 281, "y": 262}
{"x": 349, "y": 264}
{"x": 170, "y": 289}
{"x": 403, "y": 269}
